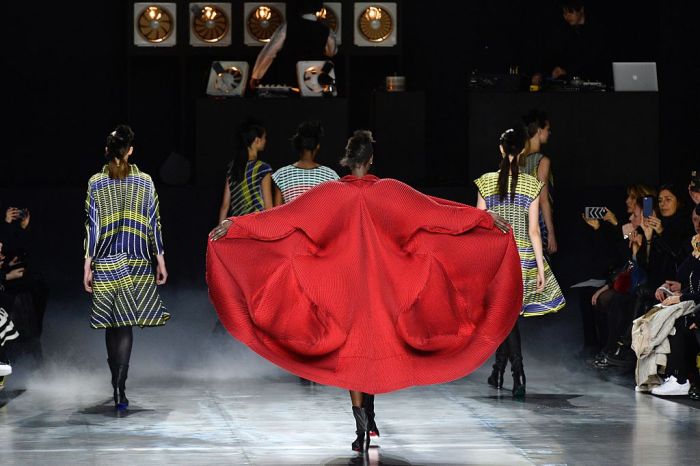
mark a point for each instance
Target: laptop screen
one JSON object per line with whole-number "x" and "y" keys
{"x": 639, "y": 77}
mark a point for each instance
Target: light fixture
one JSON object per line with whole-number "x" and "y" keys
{"x": 316, "y": 78}
{"x": 210, "y": 24}
{"x": 227, "y": 78}
{"x": 261, "y": 21}
{"x": 330, "y": 15}
{"x": 154, "y": 24}
{"x": 375, "y": 24}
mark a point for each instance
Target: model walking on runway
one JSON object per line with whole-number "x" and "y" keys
{"x": 367, "y": 284}
{"x": 515, "y": 196}
{"x": 123, "y": 234}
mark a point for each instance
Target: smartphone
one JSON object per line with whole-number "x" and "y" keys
{"x": 648, "y": 206}
{"x": 595, "y": 212}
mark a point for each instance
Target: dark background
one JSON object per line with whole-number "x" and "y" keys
{"x": 71, "y": 74}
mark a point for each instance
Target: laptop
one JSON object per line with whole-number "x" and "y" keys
{"x": 635, "y": 77}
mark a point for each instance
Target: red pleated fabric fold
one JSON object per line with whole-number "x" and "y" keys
{"x": 368, "y": 285}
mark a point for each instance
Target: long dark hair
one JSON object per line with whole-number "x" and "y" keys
{"x": 118, "y": 143}
{"x": 244, "y": 138}
{"x": 513, "y": 142}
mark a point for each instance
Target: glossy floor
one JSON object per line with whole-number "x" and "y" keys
{"x": 568, "y": 417}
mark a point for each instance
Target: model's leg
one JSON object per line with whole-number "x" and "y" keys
{"x": 368, "y": 403}
{"x": 499, "y": 367}
{"x": 361, "y": 443}
{"x": 515, "y": 354}
{"x": 119, "y": 342}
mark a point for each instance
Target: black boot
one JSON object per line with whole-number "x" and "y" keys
{"x": 518, "y": 378}
{"x": 121, "y": 402}
{"x": 499, "y": 367}
{"x": 361, "y": 443}
{"x": 368, "y": 404}
{"x": 113, "y": 371}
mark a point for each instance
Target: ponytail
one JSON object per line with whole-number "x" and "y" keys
{"x": 513, "y": 142}
{"x": 119, "y": 142}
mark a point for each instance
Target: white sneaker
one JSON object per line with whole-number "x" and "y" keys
{"x": 671, "y": 387}
{"x": 5, "y": 369}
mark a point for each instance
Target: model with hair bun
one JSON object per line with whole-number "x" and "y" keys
{"x": 515, "y": 196}
{"x": 123, "y": 234}
{"x": 367, "y": 284}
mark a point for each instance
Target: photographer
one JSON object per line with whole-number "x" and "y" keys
{"x": 25, "y": 294}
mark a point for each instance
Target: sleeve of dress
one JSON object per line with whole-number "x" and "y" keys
{"x": 92, "y": 223}
{"x": 155, "y": 234}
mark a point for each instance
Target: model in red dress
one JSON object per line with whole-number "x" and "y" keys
{"x": 367, "y": 284}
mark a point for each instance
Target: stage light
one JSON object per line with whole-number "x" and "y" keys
{"x": 261, "y": 21}
{"x": 375, "y": 24}
{"x": 154, "y": 24}
{"x": 210, "y": 24}
{"x": 227, "y": 78}
{"x": 330, "y": 14}
{"x": 316, "y": 78}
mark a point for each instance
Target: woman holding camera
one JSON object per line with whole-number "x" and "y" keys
{"x": 123, "y": 234}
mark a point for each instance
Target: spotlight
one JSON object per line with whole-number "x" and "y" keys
{"x": 210, "y": 24}
{"x": 375, "y": 24}
{"x": 261, "y": 21}
{"x": 154, "y": 24}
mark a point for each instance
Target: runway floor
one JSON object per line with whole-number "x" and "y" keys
{"x": 566, "y": 418}
{"x": 200, "y": 398}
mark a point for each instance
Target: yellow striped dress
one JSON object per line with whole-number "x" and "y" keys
{"x": 122, "y": 234}
{"x": 516, "y": 212}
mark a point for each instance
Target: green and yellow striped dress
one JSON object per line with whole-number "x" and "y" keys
{"x": 516, "y": 212}
{"x": 122, "y": 234}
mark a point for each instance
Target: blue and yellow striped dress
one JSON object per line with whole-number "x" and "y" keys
{"x": 246, "y": 195}
{"x": 517, "y": 214}
{"x": 122, "y": 233}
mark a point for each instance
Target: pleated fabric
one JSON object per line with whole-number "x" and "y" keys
{"x": 123, "y": 233}
{"x": 368, "y": 285}
{"x": 535, "y": 303}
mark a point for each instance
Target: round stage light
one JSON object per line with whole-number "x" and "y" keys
{"x": 155, "y": 24}
{"x": 376, "y": 24}
{"x": 263, "y": 22}
{"x": 210, "y": 24}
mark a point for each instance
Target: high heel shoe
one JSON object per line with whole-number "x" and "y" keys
{"x": 496, "y": 378}
{"x": 518, "y": 384}
{"x": 361, "y": 443}
{"x": 120, "y": 401}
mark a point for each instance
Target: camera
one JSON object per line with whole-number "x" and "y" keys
{"x": 22, "y": 214}
{"x": 695, "y": 181}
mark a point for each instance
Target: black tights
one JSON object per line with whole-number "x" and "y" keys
{"x": 119, "y": 341}
{"x": 510, "y": 349}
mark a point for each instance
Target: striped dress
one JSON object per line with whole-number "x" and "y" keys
{"x": 122, "y": 234}
{"x": 7, "y": 329}
{"x": 294, "y": 181}
{"x": 246, "y": 196}
{"x": 516, "y": 213}
{"x": 530, "y": 166}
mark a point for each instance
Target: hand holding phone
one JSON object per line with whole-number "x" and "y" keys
{"x": 647, "y": 206}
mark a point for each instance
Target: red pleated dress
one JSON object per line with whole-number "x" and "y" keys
{"x": 368, "y": 285}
